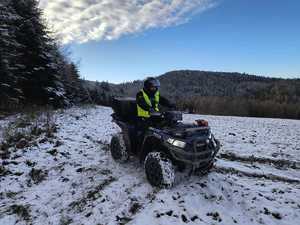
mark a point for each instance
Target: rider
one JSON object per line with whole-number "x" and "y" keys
{"x": 148, "y": 99}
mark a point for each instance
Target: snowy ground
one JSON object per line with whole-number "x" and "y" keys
{"x": 256, "y": 179}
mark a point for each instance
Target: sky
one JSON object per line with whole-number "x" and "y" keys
{"x": 125, "y": 40}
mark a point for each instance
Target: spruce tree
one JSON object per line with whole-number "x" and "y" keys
{"x": 11, "y": 94}
{"x": 32, "y": 68}
{"x": 37, "y": 52}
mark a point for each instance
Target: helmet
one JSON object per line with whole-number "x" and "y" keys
{"x": 151, "y": 84}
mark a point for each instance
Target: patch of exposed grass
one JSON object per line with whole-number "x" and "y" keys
{"x": 30, "y": 163}
{"x": 65, "y": 220}
{"x": 215, "y": 216}
{"x": 122, "y": 220}
{"x": 11, "y": 194}
{"x": 22, "y": 122}
{"x": 135, "y": 207}
{"x": 53, "y": 152}
{"x": 22, "y": 211}
{"x": 95, "y": 193}
{"x": 4, "y": 150}
{"x": 26, "y": 129}
{"x": 37, "y": 175}
{"x": 4, "y": 171}
{"x": 92, "y": 195}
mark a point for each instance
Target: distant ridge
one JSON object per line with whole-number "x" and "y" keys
{"x": 205, "y": 83}
{"x": 190, "y": 87}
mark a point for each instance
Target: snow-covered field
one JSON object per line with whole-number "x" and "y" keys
{"x": 256, "y": 179}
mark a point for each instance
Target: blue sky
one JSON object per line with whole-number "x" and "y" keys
{"x": 258, "y": 37}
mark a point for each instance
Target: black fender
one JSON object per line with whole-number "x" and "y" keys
{"x": 150, "y": 143}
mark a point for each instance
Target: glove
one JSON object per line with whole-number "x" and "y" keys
{"x": 151, "y": 110}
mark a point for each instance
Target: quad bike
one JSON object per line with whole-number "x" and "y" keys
{"x": 166, "y": 144}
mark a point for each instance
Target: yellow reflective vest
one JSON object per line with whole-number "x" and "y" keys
{"x": 146, "y": 114}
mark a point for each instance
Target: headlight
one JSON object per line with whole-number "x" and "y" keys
{"x": 180, "y": 144}
{"x": 177, "y": 143}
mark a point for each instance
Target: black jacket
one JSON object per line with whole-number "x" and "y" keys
{"x": 143, "y": 104}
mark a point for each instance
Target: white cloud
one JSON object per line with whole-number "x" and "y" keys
{"x": 86, "y": 20}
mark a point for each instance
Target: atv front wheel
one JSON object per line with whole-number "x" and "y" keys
{"x": 202, "y": 171}
{"x": 118, "y": 148}
{"x": 159, "y": 170}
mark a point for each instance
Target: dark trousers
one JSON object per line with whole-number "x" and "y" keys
{"x": 142, "y": 125}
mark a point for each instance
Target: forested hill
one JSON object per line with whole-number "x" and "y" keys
{"x": 33, "y": 69}
{"x": 218, "y": 93}
{"x": 187, "y": 83}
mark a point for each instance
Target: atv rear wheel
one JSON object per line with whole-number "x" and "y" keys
{"x": 159, "y": 170}
{"x": 118, "y": 148}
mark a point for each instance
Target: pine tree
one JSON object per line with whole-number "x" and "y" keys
{"x": 32, "y": 67}
{"x": 10, "y": 93}
{"x": 38, "y": 54}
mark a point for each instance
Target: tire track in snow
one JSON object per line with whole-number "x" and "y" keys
{"x": 278, "y": 163}
{"x": 268, "y": 176}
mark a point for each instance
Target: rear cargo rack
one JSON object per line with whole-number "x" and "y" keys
{"x": 125, "y": 108}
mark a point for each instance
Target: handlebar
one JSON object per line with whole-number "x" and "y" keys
{"x": 156, "y": 114}
{"x": 167, "y": 115}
